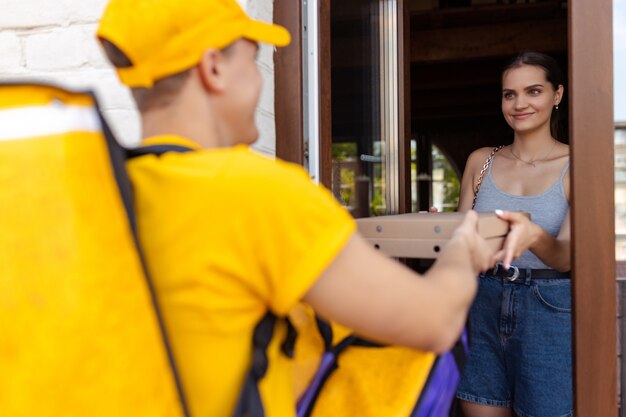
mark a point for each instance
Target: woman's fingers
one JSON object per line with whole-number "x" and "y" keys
{"x": 513, "y": 217}
{"x": 510, "y": 247}
{"x": 519, "y": 238}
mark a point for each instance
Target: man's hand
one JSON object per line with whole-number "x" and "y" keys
{"x": 482, "y": 256}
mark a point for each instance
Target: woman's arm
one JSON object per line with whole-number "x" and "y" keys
{"x": 473, "y": 166}
{"x": 526, "y": 235}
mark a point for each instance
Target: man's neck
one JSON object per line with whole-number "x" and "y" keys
{"x": 189, "y": 124}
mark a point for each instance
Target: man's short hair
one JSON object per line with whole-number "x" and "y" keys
{"x": 162, "y": 92}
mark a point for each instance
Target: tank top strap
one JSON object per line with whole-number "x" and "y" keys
{"x": 492, "y": 160}
{"x": 491, "y": 165}
{"x": 564, "y": 170}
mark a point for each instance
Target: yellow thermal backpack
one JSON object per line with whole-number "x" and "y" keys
{"x": 80, "y": 332}
{"x": 341, "y": 375}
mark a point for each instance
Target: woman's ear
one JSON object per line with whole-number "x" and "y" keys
{"x": 558, "y": 94}
{"x": 211, "y": 70}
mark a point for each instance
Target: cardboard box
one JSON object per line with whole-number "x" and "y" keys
{"x": 423, "y": 235}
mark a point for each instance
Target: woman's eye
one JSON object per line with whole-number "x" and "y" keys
{"x": 535, "y": 91}
{"x": 508, "y": 96}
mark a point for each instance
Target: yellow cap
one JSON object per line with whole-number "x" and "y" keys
{"x": 165, "y": 37}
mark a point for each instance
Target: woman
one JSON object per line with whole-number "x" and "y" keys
{"x": 520, "y": 322}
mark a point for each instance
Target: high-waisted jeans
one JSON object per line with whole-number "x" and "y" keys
{"x": 521, "y": 347}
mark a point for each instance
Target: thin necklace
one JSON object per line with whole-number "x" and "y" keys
{"x": 533, "y": 161}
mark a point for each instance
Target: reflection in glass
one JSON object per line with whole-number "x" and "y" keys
{"x": 443, "y": 180}
{"x": 358, "y": 150}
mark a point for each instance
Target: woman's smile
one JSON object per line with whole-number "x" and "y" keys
{"x": 522, "y": 116}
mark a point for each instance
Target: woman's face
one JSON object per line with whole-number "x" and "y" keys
{"x": 528, "y": 98}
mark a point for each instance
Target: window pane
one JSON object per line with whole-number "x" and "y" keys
{"x": 619, "y": 60}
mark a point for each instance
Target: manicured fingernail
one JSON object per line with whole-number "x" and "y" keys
{"x": 499, "y": 212}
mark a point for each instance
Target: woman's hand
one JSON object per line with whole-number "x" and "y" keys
{"x": 522, "y": 235}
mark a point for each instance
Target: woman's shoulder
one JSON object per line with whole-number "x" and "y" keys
{"x": 477, "y": 158}
{"x": 480, "y": 152}
{"x": 561, "y": 150}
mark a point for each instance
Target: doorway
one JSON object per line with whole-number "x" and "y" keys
{"x": 590, "y": 132}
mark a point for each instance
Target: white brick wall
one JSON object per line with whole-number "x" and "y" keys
{"x": 264, "y": 10}
{"x": 54, "y": 41}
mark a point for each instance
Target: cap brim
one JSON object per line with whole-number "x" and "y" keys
{"x": 267, "y": 33}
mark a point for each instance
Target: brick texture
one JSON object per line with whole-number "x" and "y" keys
{"x": 54, "y": 41}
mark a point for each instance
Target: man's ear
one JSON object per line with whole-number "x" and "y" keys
{"x": 211, "y": 70}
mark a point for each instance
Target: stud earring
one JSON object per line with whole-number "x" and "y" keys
{"x": 556, "y": 107}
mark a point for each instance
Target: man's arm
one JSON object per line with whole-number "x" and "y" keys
{"x": 383, "y": 300}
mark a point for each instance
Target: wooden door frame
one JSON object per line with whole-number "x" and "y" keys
{"x": 326, "y": 114}
{"x": 592, "y": 182}
{"x": 593, "y": 208}
{"x": 288, "y": 84}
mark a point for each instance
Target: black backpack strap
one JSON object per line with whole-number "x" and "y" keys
{"x": 358, "y": 341}
{"x": 118, "y": 156}
{"x": 250, "y": 403}
{"x": 289, "y": 344}
{"x": 326, "y": 332}
{"x": 157, "y": 150}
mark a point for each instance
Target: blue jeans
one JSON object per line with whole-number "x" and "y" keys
{"x": 521, "y": 347}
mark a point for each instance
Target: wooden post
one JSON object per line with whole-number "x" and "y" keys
{"x": 593, "y": 209}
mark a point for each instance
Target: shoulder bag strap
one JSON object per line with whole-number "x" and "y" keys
{"x": 482, "y": 172}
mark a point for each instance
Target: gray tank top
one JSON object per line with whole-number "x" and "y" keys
{"x": 547, "y": 209}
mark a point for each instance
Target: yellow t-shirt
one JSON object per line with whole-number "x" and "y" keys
{"x": 227, "y": 235}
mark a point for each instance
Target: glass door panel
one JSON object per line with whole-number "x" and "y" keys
{"x": 364, "y": 105}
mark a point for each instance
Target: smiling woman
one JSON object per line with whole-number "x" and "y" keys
{"x": 530, "y": 353}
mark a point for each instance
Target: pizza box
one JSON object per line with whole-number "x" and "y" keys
{"x": 422, "y": 235}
